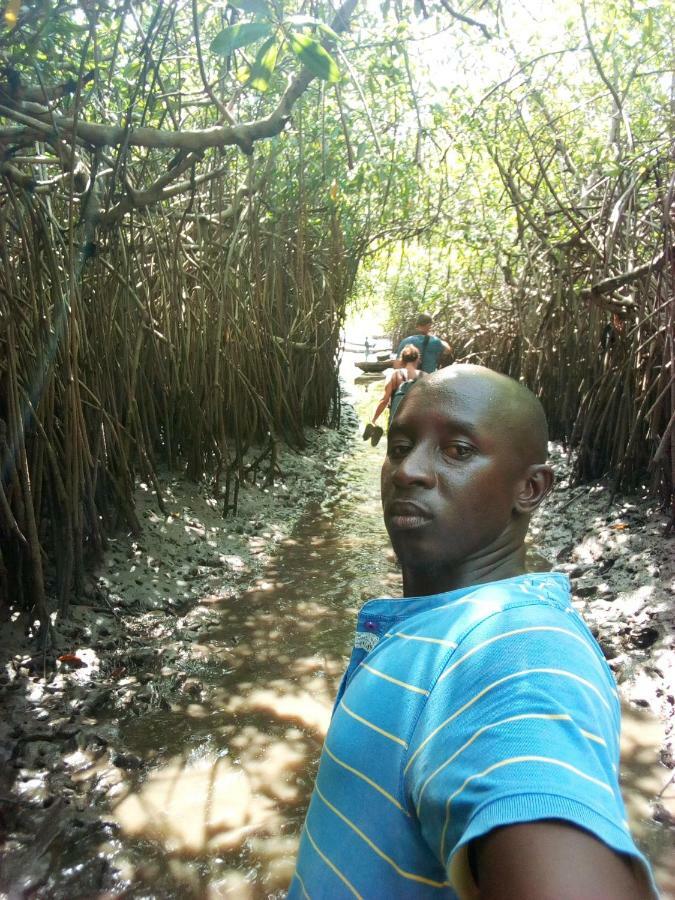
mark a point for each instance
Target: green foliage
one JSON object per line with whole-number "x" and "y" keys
{"x": 241, "y": 35}
{"x": 263, "y": 67}
{"x": 311, "y": 22}
{"x": 288, "y": 32}
{"x": 487, "y": 181}
{"x": 253, "y": 7}
{"x": 552, "y": 189}
{"x": 315, "y": 57}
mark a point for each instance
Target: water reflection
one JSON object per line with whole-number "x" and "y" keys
{"x": 220, "y": 812}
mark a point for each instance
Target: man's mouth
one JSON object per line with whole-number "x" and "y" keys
{"x": 405, "y": 514}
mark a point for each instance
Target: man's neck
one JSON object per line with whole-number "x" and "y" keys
{"x": 489, "y": 567}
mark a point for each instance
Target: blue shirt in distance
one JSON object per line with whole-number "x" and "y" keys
{"x": 460, "y": 713}
{"x": 433, "y": 351}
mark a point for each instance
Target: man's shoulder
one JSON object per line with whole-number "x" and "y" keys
{"x": 549, "y": 588}
{"x": 524, "y": 623}
{"x": 527, "y": 605}
{"x": 547, "y": 593}
{"x": 414, "y": 339}
{"x": 537, "y": 597}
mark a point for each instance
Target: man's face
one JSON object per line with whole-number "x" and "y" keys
{"x": 451, "y": 475}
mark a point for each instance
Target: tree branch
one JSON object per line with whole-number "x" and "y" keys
{"x": 220, "y": 106}
{"x": 608, "y": 285}
{"x": 243, "y": 135}
{"x": 466, "y": 19}
{"x": 153, "y": 194}
{"x": 12, "y": 90}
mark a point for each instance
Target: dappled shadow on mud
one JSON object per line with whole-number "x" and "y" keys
{"x": 191, "y": 750}
{"x": 219, "y": 810}
{"x": 649, "y": 793}
{"x": 235, "y": 764}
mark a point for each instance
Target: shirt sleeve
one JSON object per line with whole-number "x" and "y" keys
{"x": 522, "y": 724}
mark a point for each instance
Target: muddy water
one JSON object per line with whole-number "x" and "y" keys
{"x": 220, "y": 811}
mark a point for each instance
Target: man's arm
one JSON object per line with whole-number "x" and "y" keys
{"x": 446, "y": 357}
{"x": 389, "y": 389}
{"x": 515, "y": 756}
{"x": 550, "y": 860}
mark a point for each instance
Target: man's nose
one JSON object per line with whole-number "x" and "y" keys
{"x": 416, "y": 467}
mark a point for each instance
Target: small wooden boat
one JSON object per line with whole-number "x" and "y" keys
{"x": 375, "y": 365}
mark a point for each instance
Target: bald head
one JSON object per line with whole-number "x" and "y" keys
{"x": 509, "y": 407}
{"x": 465, "y": 469}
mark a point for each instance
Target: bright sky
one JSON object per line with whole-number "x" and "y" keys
{"x": 459, "y": 50}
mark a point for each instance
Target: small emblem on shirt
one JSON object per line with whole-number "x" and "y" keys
{"x": 365, "y": 640}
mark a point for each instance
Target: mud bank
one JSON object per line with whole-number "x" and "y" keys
{"x": 622, "y": 569}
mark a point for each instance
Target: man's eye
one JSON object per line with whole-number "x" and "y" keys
{"x": 458, "y": 451}
{"x": 397, "y": 451}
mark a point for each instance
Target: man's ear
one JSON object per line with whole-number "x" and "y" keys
{"x": 533, "y": 488}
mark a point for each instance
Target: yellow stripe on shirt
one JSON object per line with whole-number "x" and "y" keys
{"x": 506, "y": 634}
{"x": 302, "y": 885}
{"x": 477, "y": 734}
{"x": 509, "y": 762}
{"x": 364, "y": 837}
{"x": 387, "y": 734}
{"x": 332, "y": 866}
{"x": 593, "y": 737}
{"x": 495, "y": 684}
{"x": 365, "y": 778}
{"x": 403, "y": 684}
{"x": 427, "y": 640}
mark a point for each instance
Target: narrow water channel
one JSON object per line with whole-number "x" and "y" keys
{"x": 220, "y": 812}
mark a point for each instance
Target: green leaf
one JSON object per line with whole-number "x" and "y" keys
{"x": 264, "y": 64}
{"x": 315, "y": 57}
{"x": 237, "y": 36}
{"x": 253, "y": 7}
{"x": 243, "y": 73}
{"x": 311, "y": 22}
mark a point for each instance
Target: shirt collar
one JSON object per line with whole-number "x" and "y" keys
{"x": 377, "y": 615}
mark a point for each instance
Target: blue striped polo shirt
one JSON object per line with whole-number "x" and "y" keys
{"x": 458, "y": 713}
